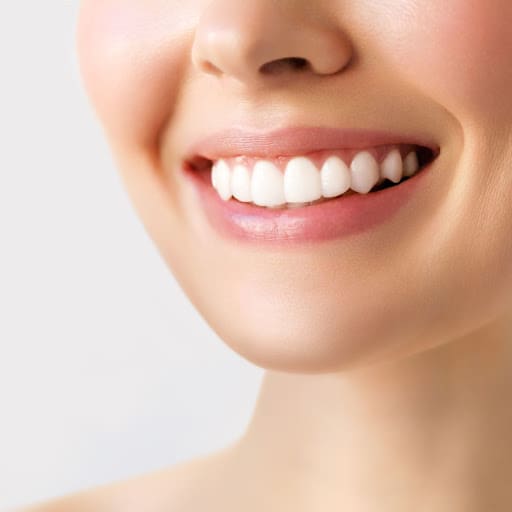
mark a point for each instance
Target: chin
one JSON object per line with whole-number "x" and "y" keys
{"x": 291, "y": 339}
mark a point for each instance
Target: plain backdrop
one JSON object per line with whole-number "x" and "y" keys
{"x": 106, "y": 369}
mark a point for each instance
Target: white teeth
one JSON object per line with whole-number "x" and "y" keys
{"x": 364, "y": 172}
{"x": 391, "y": 166}
{"x": 411, "y": 164}
{"x": 334, "y": 177}
{"x": 221, "y": 176}
{"x": 241, "y": 183}
{"x": 301, "y": 181}
{"x": 267, "y": 188}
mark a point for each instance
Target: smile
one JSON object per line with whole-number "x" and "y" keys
{"x": 270, "y": 190}
{"x": 302, "y": 180}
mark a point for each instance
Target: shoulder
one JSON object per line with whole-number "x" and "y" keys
{"x": 173, "y": 488}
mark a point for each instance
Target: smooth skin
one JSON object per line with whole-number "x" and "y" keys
{"x": 388, "y": 355}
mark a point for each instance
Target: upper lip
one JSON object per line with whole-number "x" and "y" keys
{"x": 292, "y": 141}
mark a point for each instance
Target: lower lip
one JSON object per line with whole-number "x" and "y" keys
{"x": 334, "y": 219}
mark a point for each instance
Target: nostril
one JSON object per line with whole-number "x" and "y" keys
{"x": 209, "y": 68}
{"x": 276, "y": 66}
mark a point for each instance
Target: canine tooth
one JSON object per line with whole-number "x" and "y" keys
{"x": 267, "y": 188}
{"x": 301, "y": 181}
{"x": 364, "y": 171}
{"x": 334, "y": 177}
{"x": 392, "y": 166}
{"x": 241, "y": 183}
{"x": 411, "y": 164}
{"x": 221, "y": 177}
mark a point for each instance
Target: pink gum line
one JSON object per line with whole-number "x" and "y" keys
{"x": 319, "y": 157}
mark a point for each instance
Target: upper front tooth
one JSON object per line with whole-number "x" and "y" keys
{"x": 364, "y": 172}
{"x": 411, "y": 164}
{"x": 221, "y": 177}
{"x": 335, "y": 177}
{"x": 241, "y": 183}
{"x": 391, "y": 166}
{"x": 301, "y": 181}
{"x": 267, "y": 188}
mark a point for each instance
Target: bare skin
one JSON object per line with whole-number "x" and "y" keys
{"x": 388, "y": 356}
{"x": 174, "y": 488}
{"x": 446, "y": 439}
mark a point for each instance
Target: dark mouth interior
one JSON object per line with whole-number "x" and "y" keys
{"x": 198, "y": 163}
{"x": 425, "y": 157}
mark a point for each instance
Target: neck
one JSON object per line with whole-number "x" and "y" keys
{"x": 431, "y": 431}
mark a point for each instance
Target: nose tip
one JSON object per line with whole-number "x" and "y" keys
{"x": 265, "y": 38}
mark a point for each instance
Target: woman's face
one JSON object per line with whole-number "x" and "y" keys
{"x": 165, "y": 74}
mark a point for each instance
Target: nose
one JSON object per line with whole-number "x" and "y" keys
{"x": 251, "y": 39}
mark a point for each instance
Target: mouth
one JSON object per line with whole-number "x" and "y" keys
{"x": 306, "y": 184}
{"x": 308, "y": 179}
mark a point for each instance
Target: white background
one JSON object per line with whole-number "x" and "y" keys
{"x": 106, "y": 369}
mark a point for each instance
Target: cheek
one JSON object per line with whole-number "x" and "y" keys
{"x": 458, "y": 51}
{"x": 132, "y": 54}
